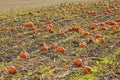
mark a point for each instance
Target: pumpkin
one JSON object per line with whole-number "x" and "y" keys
{"x": 33, "y": 28}
{"x": 98, "y": 36}
{"x": 44, "y": 48}
{"x": 12, "y": 70}
{"x": 14, "y": 29}
{"x": 92, "y": 26}
{"x": 82, "y": 45}
{"x": 20, "y": 35}
{"x": 85, "y": 33}
{"x": 86, "y": 69}
{"x": 61, "y": 49}
{"x": 5, "y": 28}
{"x": 101, "y": 40}
{"x": 78, "y": 62}
{"x": 23, "y": 55}
{"x": 28, "y": 24}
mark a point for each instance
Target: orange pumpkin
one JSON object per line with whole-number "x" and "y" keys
{"x": 49, "y": 22}
{"x": 114, "y": 29}
{"x": 61, "y": 49}
{"x": 92, "y": 26}
{"x": 44, "y": 26}
{"x": 76, "y": 28}
{"x": 14, "y": 29}
{"x": 103, "y": 28}
{"x": 86, "y": 69}
{"x": 5, "y": 28}
{"x": 93, "y": 12}
{"x": 23, "y": 55}
{"x": 33, "y": 28}
{"x": 63, "y": 32}
{"x": 12, "y": 70}
{"x": 20, "y": 35}
{"x": 28, "y": 24}
{"x": 111, "y": 23}
{"x": 85, "y": 33}
{"x": 107, "y": 10}
{"x": 98, "y": 36}
{"x": 116, "y": 26}
{"x": 101, "y": 40}
{"x": 78, "y": 62}
{"x": 44, "y": 48}
{"x": 82, "y": 45}
{"x": 39, "y": 30}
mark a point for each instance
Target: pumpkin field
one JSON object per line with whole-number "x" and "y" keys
{"x": 69, "y": 41}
